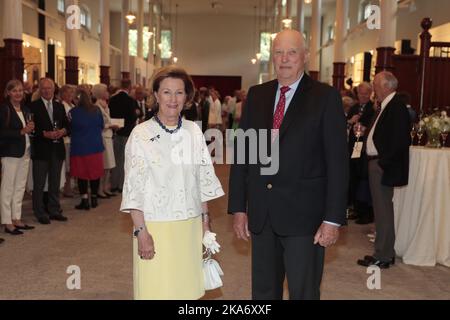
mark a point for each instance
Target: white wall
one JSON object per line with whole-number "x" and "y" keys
{"x": 217, "y": 45}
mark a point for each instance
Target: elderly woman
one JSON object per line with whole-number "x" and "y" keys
{"x": 101, "y": 95}
{"x": 67, "y": 94}
{"x": 15, "y": 127}
{"x": 169, "y": 178}
{"x": 86, "y": 149}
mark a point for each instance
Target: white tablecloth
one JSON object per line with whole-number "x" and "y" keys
{"x": 422, "y": 209}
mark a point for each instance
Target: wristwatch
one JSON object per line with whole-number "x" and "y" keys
{"x": 136, "y": 231}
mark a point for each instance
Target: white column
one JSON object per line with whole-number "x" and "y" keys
{"x": 105, "y": 37}
{"x": 140, "y": 29}
{"x": 314, "y": 63}
{"x": 279, "y": 25}
{"x": 388, "y": 32}
{"x": 300, "y": 16}
{"x": 341, "y": 30}
{"x": 72, "y": 35}
{"x": 150, "y": 27}
{"x": 125, "y": 35}
{"x": 12, "y": 19}
{"x": 158, "y": 38}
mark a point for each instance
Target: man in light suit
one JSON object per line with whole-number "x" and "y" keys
{"x": 292, "y": 215}
{"x": 387, "y": 149}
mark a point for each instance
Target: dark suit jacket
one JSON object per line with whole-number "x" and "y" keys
{"x": 14, "y": 143}
{"x": 392, "y": 140}
{"x": 42, "y": 147}
{"x": 122, "y": 106}
{"x": 312, "y": 180}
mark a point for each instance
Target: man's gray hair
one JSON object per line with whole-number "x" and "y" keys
{"x": 388, "y": 80}
{"x": 365, "y": 85}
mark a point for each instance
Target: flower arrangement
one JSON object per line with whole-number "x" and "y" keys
{"x": 436, "y": 125}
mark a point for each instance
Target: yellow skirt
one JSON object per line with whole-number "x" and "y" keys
{"x": 175, "y": 273}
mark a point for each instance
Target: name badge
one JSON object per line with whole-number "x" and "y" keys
{"x": 357, "y": 149}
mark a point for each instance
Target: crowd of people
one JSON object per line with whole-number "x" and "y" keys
{"x": 57, "y": 139}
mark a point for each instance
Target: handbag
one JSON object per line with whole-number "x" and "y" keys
{"x": 211, "y": 272}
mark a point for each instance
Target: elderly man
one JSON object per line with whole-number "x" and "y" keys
{"x": 296, "y": 213}
{"x": 359, "y": 193}
{"x": 387, "y": 148}
{"x": 48, "y": 151}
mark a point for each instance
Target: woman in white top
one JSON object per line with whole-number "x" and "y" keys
{"x": 215, "y": 111}
{"x": 101, "y": 94}
{"x": 67, "y": 94}
{"x": 15, "y": 157}
{"x": 169, "y": 178}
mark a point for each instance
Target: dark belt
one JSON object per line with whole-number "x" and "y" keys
{"x": 370, "y": 158}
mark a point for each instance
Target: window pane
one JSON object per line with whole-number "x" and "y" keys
{"x": 147, "y": 37}
{"x": 83, "y": 18}
{"x": 166, "y": 40}
{"x": 265, "y": 46}
{"x": 61, "y": 6}
{"x": 132, "y": 42}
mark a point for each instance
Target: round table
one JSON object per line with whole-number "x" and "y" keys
{"x": 422, "y": 209}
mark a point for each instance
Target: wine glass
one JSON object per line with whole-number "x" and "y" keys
{"x": 358, "y": 131}
{"x": 444, "y": 135}
{"x": 413, "y": 133}
{"x": 420, "y": 133}
{"x": 55, "y": 128}
{"x": 29, "y": 117}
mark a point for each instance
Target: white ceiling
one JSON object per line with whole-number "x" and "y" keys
{"x": 223, "y": 7}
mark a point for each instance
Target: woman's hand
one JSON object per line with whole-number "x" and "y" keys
{"x": 146, "y": 246}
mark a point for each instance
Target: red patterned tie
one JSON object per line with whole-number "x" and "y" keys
{"x": 279, "y": 111}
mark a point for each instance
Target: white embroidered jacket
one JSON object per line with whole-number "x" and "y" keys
{"x": 168, "y": 176}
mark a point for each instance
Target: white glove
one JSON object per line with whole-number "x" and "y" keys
{"x": 210, "y": 243}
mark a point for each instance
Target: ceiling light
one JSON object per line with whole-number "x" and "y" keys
{"x": 130, "y": 17}
{"x": 258, "y": 56}
{"x": 253, "y": 61}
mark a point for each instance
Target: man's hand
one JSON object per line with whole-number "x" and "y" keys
{"x": 60, "y": 133}
{"x": 354, "y": 119}
{"x": 50, "y": 135}
{"x": 327, "y": 235}
{"x": 240, "y": 225}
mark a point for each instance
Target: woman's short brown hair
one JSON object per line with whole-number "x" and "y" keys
{"x": 174, "y": 73}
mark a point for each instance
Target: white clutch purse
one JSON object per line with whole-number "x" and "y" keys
{"x": 211, "y": 268}
{"x": 212, "y": 273}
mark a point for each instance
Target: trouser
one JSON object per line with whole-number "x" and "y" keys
{"x": 14, "y": 180}
{"x": 296, "y": 257}
{"x": 42, "y": 169}
{"x": 383, "y": 209}
{"x": 83, "y": 186}
{"x": 118, "y": 174}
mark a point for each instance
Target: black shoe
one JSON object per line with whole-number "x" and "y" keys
{"x": 58, "y": 217}
{"x": 14, "y": 232}
{"x": 110, "y": 194}
{"x": 94, "y": 202}
{"x": 372, "y": 261}
{"x": 84, "y": 205}
{"x": 2, "y": 240}
{"x": 25, "y": 227}
{"x": 44, "y": 220}
{"x": 100, "y": 196}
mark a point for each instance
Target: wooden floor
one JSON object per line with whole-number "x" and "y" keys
{"x": 34, "y": 266}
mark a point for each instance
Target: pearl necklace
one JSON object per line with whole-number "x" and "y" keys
{"x": 180, "y": 121}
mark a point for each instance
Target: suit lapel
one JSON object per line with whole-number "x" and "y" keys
{"x": 296, "y": 103}
{"x": 269, "y": 103}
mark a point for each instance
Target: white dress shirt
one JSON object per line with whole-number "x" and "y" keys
{"x": 371, "y": 150}
{"x": 289, "y": 95}
{"x": 168, "y": 176}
